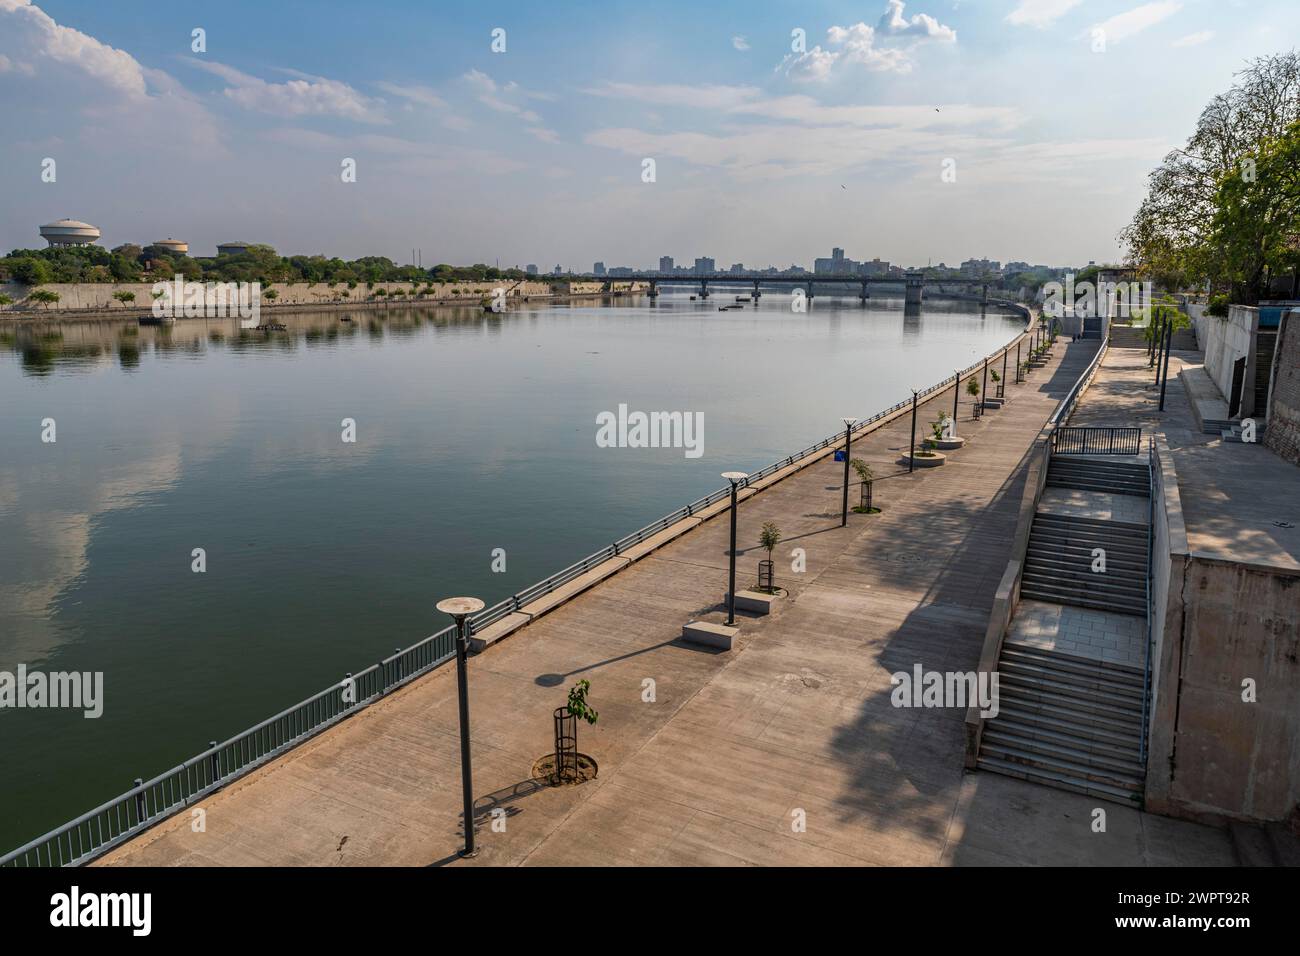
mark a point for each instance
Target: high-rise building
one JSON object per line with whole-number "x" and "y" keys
{"x": 665, "y": 263}
{"x": 531, "y": 268}
{"x": 705, "y": 266}
{"x": 598, "y": 269}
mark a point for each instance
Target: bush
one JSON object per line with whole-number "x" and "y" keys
{"x": 1218, "y": 306}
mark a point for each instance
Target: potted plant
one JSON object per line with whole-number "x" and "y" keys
{"x": 997, "y": 379}
{"x": 973, "y": 390}
{"x": 769, "y": 537}
{"x": 566, "y": 730}
{"x": 864, "y": 502}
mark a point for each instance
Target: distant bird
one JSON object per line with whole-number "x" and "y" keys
{"x": 842, "y": 186}
{"x": 936, "y": 109}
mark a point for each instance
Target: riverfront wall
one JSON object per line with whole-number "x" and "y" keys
{"x": 1283, "y": 432}
{"x": 98, "y": 296}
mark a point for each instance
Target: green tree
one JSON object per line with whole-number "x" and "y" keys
{"x": 1256, "y": 227}
{"x": 30, "y": 271}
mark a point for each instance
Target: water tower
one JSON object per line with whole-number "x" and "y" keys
{"x": 69, "y": 232}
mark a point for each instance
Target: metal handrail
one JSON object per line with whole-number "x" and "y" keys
{"x": 121, "y": 818}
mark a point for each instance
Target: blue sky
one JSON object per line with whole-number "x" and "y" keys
{"x": 763, "y": 154}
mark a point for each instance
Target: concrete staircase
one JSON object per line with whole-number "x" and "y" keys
{"x": 1058, "y": 563}
{"x": 1099, "y": 474}
{"x": 1067, "y": 722}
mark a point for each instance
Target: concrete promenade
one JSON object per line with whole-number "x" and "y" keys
{"x": 732, "y": 748}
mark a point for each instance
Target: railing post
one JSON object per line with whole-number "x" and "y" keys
{"x": 214, "y": 762}
{"x": 139, "y": 801}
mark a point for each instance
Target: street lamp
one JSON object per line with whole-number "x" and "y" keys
{"x": 460, "y": 608}
{"x": 735, "y": 477}
{"x": 848, "y": 440}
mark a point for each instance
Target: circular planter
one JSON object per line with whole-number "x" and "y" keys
{"x": 946, "y": 444}
{"x": 927, "y": 461}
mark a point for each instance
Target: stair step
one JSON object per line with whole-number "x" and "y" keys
{"x": 1059, "y": 781}
{"x": 1127, "y": 741}
{"x": 1125, "y": 723}
{"x": 1063, "y": 591}
{"x": 1077, "y": 559}
{"x": 1116, "y": 779}
{"x": 1084, "y": 681}
{"x": 1064, "y": 750}
{"x": 1082, "y": 579}
{"x": 1118, "y": 747}
{"x": 1118, "y": 673}
{"x": 1021, "y": 686}
{"x": 1100, "y": 525}
{"x": 1049, "y": 596}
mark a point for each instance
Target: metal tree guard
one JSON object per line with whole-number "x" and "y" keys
{"x": 866, "y": 495}
{"x": 566, "y": 745}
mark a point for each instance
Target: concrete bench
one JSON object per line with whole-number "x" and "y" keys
{"x": 710, "y": 635}
{"x": 754, "y": 601}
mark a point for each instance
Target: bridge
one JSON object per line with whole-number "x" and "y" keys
{"x": 913, "y": 283}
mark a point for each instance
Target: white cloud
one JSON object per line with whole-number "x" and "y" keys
{"x": 858, "y": 44}
{"x": 922, "y": 25}
{"x": 303, "y": 95}
{"x": 1040, "y": 13}
{"x": 419, "y": 95}
{"x": 1132, "y": 22}
{"x": 38, "y": 35}
{"x": 1194, "y": 39}
{"x": 497, "y": 97}
{"x": 740, "y": 43}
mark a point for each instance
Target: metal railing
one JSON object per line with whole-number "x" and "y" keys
{"x": 1097, "y": 440}
{"x": 146, "y": 803}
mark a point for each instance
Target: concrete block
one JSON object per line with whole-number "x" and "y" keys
{"x": 755, "y": 602}
{"x": 710, "y": 635}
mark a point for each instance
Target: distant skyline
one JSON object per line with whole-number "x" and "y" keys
{"x": 762, "y": 154}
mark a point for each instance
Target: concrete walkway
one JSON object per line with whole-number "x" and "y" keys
{"x": 1240, "y": 501}
{"x": 786, "y": 750}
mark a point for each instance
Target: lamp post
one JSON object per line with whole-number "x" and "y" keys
{"x": 956, "y": 394}
{"x": 460, "y": 608}
{"x": 735, "y": 477}
{"x": 848, "y": 440}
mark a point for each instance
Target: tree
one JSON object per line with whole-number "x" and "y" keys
{"x": 1170, "y": 238}
{"x": 126, "y": 298}
{"x": 44, "y": 296}
{"x": 30, "y": 271}
{"x": 1256, "y": 228}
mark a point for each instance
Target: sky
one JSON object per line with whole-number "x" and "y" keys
{"x": 919, "y": 131}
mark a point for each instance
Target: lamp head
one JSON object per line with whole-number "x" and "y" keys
{"x": 734, "y": 476}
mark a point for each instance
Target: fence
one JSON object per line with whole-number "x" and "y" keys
{"x": 121, "y": 818}
{"x": 1096, "y": 440}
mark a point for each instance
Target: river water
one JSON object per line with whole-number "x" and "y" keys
{"x": 473, "y": 432}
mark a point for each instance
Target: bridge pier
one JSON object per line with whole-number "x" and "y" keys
{"x": 654, "y": 289}
{"x": 704, "y": 288}
{"x": 915, "y": 289}
{"x": 984, "y": 294}
{"x": 757, "y": 294}
{"x": 863, "y": 296}
{"x": 810, "y": 290}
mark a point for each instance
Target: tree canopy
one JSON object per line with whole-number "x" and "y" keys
{"x": 1194, "y": 226}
